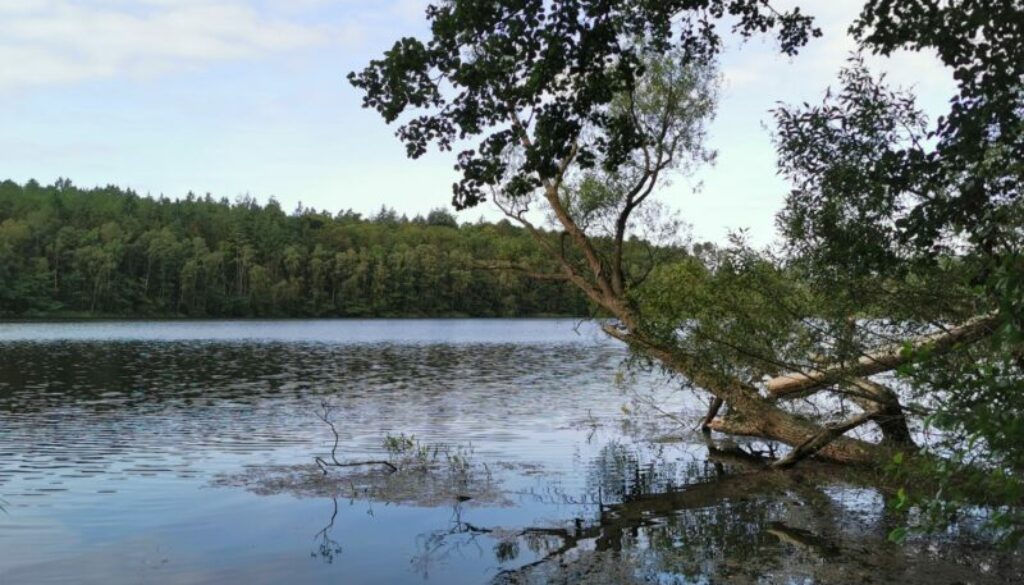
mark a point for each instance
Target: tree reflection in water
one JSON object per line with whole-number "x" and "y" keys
{"x": 327, "y": 548}
{"x": 731, "y": 522}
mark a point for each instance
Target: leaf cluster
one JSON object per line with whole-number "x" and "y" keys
{"x": 539, "y": 73}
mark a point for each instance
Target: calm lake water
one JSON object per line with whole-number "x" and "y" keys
{"x": 168, "y": 452}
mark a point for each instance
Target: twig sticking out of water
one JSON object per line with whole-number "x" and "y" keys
{"x": 325, "y": 415}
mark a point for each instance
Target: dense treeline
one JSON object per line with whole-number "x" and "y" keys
{"x": 108, "y": 251}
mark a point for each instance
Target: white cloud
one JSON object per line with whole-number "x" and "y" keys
{"x": 409, "y": 10}
{"x": 59, "y": 41}
{"x": 822, "y": 59}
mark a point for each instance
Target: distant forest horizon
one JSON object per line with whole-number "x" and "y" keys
{"x": 71, "y": 252}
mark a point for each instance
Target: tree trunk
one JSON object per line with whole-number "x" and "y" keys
{"x": 886, "y": 411}
{"x": 716, "y": 405}
{"x": 753, "y": 415}
{"x": 882, "y": 360}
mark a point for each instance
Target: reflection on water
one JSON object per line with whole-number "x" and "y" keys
{"x": 114, "y": 435}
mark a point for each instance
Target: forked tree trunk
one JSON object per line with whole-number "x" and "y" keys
{"x": 750, "y": 412}
{"x": 885, "y": 409}
{"x": 753, "y": 415}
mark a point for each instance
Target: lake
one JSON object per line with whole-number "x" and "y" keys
{"x": 183, "y": 452}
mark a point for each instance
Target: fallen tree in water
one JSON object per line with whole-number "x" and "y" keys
{"x": 731, "y": 518}
{"x": 585, "y": 109}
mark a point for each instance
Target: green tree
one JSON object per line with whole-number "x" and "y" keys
{"x": 922, "y": 223}
{"x": 580, "y": 109}
{"x": 69, "y": 251}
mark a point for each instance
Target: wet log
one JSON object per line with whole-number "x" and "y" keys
{"x": 821, "y": 440}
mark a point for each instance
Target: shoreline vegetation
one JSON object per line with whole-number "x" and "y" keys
{"x": 94, "y": 318}
{"x": 69, "y": 253}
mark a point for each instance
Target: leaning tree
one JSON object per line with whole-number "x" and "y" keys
{"x": 922, "y": 222}
{"x": 577, "y": 111}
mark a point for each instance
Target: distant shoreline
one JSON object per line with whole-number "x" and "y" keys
{"x": 102, "y": 318}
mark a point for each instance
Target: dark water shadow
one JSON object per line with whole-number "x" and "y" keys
{"x": 732, "y": 521}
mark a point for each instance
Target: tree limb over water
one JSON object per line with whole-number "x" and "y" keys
{"x": 883, "y": 360}
{"x": 583, "y": 109}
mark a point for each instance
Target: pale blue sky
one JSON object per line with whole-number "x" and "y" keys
{"x": 249, "y": 96}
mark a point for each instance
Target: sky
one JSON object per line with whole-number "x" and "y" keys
{"x": 237, "y": 97}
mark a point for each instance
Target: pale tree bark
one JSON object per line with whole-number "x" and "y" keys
{"x": 751, "y": 413}
{"x": 880, "y": 360}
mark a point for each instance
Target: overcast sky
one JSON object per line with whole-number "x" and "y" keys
{"x": 249, "y": 96}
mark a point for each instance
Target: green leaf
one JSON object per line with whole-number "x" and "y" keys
{"x": 898, "y": 535}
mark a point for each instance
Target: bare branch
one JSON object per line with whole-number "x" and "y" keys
{"x": 325, "y": 416}
{"x": 818, "y": 441}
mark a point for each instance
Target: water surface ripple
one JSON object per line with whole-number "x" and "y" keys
{"x": 114, "y": 434}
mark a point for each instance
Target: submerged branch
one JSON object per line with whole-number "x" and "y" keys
{"x": 325, "y": 416}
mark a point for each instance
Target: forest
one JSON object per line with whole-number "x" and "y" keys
{"x": 72, "y": 252}
{"x": 840, "y": 403}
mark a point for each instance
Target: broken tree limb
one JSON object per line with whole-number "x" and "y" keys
{"x": 323, "y": 464}
{"x": 819, "y": 441}
{"x": 797, "y": 384}
{"x": 325, "y": 416}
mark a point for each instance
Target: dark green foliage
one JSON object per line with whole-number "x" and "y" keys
{"x": 562, "y": 61}
{"x": 881, "y": 195}
{"x": 879, "y": 188}
{"x": 68, "y": 251}
{"x": 843, "y": 212}
{"x": 974, "y": 171}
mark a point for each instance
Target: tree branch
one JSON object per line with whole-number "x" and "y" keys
{"x": 799, "y": 384}
{"x": 608, "y": 298}
{"x": 325, "y": 416}
{"x": 818, "y": 441}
